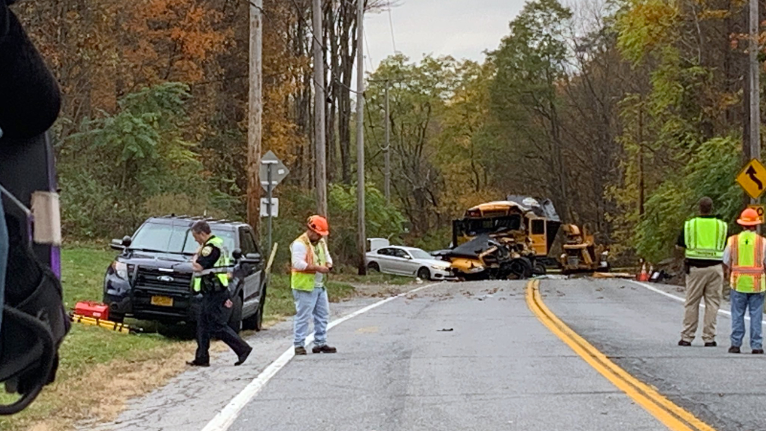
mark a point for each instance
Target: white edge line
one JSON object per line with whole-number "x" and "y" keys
{"x": 226, "y": 417}
{"x": 682, "y": 300}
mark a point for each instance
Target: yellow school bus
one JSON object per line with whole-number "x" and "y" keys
{"x": 527, "y": 223}
{"x": 526, "y": 218}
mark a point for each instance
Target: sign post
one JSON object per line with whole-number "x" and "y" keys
{"x": 271, "y": 173}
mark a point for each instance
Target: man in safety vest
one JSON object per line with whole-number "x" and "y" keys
{"x": 210, "y": 264}
{"x": 310, "y": 262}
{"x": 703, "y": 238}
{"x": 745, "y": 258}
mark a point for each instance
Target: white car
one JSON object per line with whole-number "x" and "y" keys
{"x": 408, "y": 261}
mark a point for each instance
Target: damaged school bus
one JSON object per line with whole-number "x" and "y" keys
{"x": 503, "y": 239}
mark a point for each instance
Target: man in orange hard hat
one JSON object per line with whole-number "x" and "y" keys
{"x": 310, "y": 262}
{"x": 744, "y": 256}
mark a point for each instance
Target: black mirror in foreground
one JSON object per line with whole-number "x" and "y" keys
{"x": 237, "y": 254}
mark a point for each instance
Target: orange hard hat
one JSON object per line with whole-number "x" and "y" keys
{"x": 318, "y": 224}
{"x": 749, "y": 217}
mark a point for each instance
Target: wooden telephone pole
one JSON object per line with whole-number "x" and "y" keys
{"x": 254, "y": 115}
{"x": 361, "y": 240}
{"x": 753, "y": 67}
{"x": 321, "y": 176}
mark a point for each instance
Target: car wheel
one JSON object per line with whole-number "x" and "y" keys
{"x": 521, "y": 268}
{"x": 235, "y": 319}
{"x": 373, "y": 266}
{"x": 116, "y": 317}
{"x": 539, "y": 268}
{"x": 254, "y": 322}
{"x": 424, "y": 273}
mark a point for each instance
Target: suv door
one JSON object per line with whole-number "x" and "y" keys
{"x": 251, "y": 288}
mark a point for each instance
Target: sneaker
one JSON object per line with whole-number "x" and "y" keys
{"x": 243, "y": 357}
{"x": 685, "y": 343}
{"x": 198, "y": 364}
{"x": 323, "y": 349}
{"x": 300, "y": 350}
{"x": 734, "y": 349}
{"x": 710, "y": 344}
{"x": 758, "y": 351}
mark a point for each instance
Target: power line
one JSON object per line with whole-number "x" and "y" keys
{"x": 391, "y": 29}
{"x": 367, "y": 46}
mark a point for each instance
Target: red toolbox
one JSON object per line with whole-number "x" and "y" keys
{"x": 93, "y": 309}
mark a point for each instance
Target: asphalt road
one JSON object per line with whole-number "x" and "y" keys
{"x": 472, "y": 356}
{"x": 638, "y": 329}
{"x": 397, "y": 369}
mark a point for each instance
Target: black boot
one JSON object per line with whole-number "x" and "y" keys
{"x": 323, "y": 349}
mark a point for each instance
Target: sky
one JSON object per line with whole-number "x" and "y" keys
{"x": 461, "y": 28}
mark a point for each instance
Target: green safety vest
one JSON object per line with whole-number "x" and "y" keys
{"x": 705, "y": 238}
{"x": 747, "y": 267}
{"x": 221, "y": 265}
{"x": 302, "y": 280}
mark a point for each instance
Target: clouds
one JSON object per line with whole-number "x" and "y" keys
{"x": 461, "y": 28}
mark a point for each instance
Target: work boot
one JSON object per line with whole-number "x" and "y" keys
{"x": 300, "y": 350}
{"x": 710, "y": 344}
{"x": 685, "y": 343}
{"x": 758, "y": 351}
{"x": 323, "y": 349}
{"x": 243, "y": 357}
{"x": 198, "y": 364}
{"x": 734, "y": 349}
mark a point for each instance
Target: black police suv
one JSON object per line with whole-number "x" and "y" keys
{"x": 151, "y": 279}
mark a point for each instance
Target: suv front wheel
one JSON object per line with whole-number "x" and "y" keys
{"x": 255, "y": 321}
{"x": 235, "y": 319}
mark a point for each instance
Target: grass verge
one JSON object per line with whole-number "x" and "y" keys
{"x": 99, "y": 369}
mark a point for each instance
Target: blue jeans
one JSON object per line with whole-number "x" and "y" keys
{"x": 738, "y": 303}
{"x": 308, "y": 305}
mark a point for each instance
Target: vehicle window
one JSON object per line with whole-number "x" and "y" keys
{"x": 247, "y": 244}
{"x": 168, "y": 238}
{"x": 190, "y": 246}
{"x": 538, "y": 227}
{"x": 400, "y": 253}
{"x": 385, "y": 251}
{"x": 420, "y": 254}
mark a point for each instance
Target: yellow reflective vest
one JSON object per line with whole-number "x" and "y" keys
{"x": 705, "y": 238}
{"x": 305, "y": 280}
{"x": 220, "y": 269}
{"x": 747, "y": 262}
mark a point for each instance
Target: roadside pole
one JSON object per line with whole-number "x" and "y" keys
{"x": 269, "y": 204}
{"x": 361, "y": 246}
{"x": 271, "y": 173}
{"x": 321, "y": 176}
{"x": 387, "y": 149}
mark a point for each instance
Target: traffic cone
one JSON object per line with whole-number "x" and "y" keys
{"x": 643, "y": 275}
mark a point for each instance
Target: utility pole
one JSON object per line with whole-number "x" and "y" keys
{"x": 387, "y": 148}
{"x": 754, "y": 117}
{"x": 361, "y": 240}
{"x": 320, "y": 171}
{"x": 254, "y": 116}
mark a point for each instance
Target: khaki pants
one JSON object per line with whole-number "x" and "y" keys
{"x": 703, "y": 283}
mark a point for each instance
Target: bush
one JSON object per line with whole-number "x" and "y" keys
{"x": 710, "y": 172}
{"x": 296, "y": 205}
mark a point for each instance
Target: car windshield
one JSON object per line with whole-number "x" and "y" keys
{"x": 166, "y": 238}
{"x": 420, "y": 254}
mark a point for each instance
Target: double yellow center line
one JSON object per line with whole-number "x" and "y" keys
{"x": 670, "y": 414}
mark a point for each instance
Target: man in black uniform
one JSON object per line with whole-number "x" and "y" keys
{"x": 215, "y": 297}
